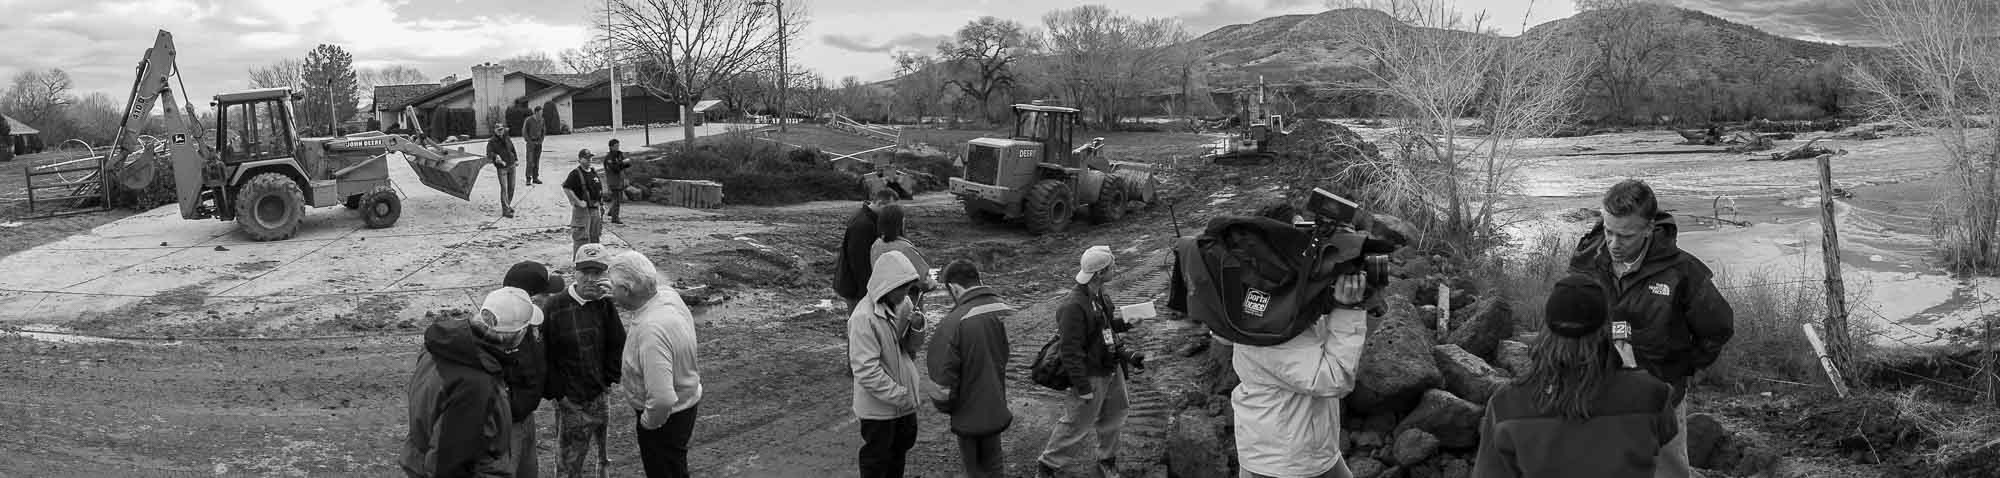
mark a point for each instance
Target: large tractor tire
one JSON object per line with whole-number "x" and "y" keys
{"x": 1051, "y": 205}
{"x": 381, "y": 207}
{"x": 270, "y": 206}
{"x": 1111, "y": 199}
{"x": 981, "y": 216}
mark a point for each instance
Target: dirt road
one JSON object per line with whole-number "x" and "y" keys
{"x": 776, "y": 401}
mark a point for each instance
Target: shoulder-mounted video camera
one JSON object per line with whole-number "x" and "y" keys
{"x": 1339, "y": 223}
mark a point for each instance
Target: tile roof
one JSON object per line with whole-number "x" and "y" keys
{"x": 394, "y": 97}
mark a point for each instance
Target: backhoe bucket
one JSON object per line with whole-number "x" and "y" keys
{"x": 454, "y": 173}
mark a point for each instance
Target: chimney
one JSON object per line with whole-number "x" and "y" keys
{"x": 489, "y": 83}
{"x": 447, "y": 81}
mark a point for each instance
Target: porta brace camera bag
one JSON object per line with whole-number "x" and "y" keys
{"x": 1258, "y": 281}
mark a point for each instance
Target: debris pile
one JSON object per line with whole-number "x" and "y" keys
{"x": 1322, "y": 140}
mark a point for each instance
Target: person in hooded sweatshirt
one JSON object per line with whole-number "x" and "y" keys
{"x": 881, "y": 335}
{"x": 1680, "y": 321}
{"x": 1578, "y": 411}
{"x": 967, "y": 360}
{"x": 459, "y": 413}
{"x": 662, "y": 377}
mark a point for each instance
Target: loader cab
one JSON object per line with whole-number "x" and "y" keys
{"x": 1052, "y": 126}
{"x": 255, "y": 125}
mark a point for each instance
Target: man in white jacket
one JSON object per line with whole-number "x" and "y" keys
{"x": 1288, "y": 405}
{"x": 881, "y": 336}
{"x": 659, "y": 367}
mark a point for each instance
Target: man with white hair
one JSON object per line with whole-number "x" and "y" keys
{"x": 459, "y": 408}
{"x": 659, "y": 363}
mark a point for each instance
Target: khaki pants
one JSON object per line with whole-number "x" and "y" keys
{"x": 1103, "y": 414}
{"x": 585, "y": 226}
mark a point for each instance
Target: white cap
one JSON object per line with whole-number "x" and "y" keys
{"x": 1095, "y": 259}
{"x": 512, "y": 310}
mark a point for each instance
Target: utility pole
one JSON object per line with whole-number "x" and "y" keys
{"x": 611, "y": 58}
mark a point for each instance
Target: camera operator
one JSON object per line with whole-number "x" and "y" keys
{"x": 1287, "y": 408}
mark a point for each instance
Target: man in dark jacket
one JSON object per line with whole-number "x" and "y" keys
{"x": 852, "y": 265}
{"x": 585, "y": 340}
{"x": 1087, "y": 327}
{"x": 1679, "y": 320}
{"x": 457, "y": 392}
{"x": 526, "y": 368}
{"x": 500, "y": 150}
{"x": 967, "y": 360}
{"x": 585, "y": 192}
{"x": 532, "y": 131}
{"x": 614, "y": 178}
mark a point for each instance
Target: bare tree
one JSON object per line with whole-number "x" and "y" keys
{"x": 39, "y": 95}
{"x": 1430, "y": 60}
{"x": 1635, "y": 43}
{"x": 367, "y": 79}
{"x": 1943, "y": 70}
{"x": 584, "y": 60}
{"x": 1106, "y": 60}
{"x": 532, "y": 62}
{"x": 919, "y": 83}
{"x": 96, "y": 118}
{"x": 281, "y": 73}
{"x": 980, "y": 59}
{"x": 692, "y": 46}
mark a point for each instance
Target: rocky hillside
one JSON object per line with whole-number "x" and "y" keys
{"x": 1307, "y": 48}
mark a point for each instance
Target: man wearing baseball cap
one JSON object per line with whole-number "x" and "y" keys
{"x": 585, "y": 338}
{"x": 1087, "y": 328}
{"x": 500, "y": 150}
{"x": 458, "y": 389}
{"x": 527, "y": 365}
{"x": 586, "y": 197}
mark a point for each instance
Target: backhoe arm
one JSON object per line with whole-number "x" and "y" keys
{"x": 151, "y": 85}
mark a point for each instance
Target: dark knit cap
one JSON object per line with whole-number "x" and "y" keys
{"x": 1576, "y": 307}
{"x": 530, "y": 276}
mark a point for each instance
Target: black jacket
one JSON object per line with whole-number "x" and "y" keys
{"x": 458, "y": 406}
{"x": 968, "y": 357}
{"x": 1679, "y": 320}
{"x": 851, "y": 266}
{"x": 1630, "y": 419}
{"x": 527, "y": 370}
{"x": 1084, "y": 325}
{"x": 501, "y": 151}
{"x": 614, "y": 168}
{"x": 585, "y": 341}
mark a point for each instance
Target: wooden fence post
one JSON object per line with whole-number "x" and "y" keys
{"x": 1836, "y": 292}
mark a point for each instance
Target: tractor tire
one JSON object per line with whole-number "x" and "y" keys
{"x": 1050, "y": 207}
{"x": 1110, "y": 205}
{"x": 381, "y": 207}
{"x": 270, "y": 207}
{"x": 352, "y": 202}
{"x": 982, "y": 216}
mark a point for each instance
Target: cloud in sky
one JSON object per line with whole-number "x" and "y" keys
{"x": 100, "y": 41}
{"x": 862, "y": 44}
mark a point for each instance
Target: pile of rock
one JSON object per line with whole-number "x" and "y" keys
{"x": 1324, "y": 140}
{"x": 1421, "y": 391}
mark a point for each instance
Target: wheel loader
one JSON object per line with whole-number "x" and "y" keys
{"x": 257, "y": 171}
{"x": 1035, "y": 177}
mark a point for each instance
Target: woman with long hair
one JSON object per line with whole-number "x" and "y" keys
{"x": 1579, "y": 410}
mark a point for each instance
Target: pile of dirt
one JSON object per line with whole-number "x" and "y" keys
{"x": 1866, "y": 428}
{"x": 1324, "y": 141}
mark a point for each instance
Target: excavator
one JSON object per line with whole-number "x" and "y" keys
{"x": 1252, "y": 145}
{"x": 256, "y": 170}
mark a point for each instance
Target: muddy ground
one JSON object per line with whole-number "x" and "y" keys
{"x": 250, "y": 398}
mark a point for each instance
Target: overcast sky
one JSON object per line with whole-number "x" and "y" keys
{"x": 100, "y": 41}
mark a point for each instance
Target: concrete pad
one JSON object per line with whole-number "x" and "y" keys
{"x": 460, "y": 248}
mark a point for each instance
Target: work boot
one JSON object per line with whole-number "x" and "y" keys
{"x": 1108, "y": 468}
{"x": 1043, "y": 470}
{"x": 507, "y": 213}
{"x": 616, "y": 221}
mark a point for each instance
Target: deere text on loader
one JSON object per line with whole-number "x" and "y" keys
{"x": 1035, "y": 176}
{"x": 258, "y": 171}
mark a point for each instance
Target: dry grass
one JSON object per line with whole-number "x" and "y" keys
{"x": 1958, "y": 429}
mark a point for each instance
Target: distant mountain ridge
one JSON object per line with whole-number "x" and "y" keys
{"x": 1292, "y": 49}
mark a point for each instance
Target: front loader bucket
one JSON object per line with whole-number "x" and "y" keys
{"x": 453, "y": 173}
